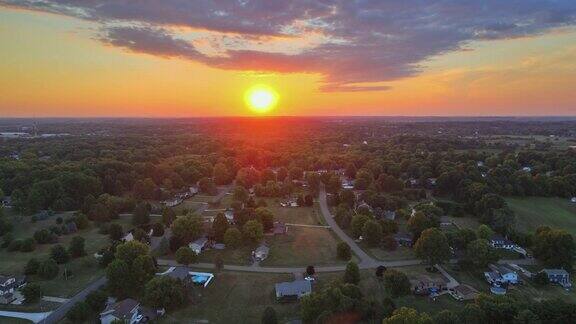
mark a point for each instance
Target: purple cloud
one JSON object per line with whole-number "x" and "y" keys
{"x": 366, "y": 40}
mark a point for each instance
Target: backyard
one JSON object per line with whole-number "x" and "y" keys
{"x": 233, "y": 298}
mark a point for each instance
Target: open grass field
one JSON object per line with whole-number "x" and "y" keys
{"x": 401, "y": 253}
{"x": 302, "y": 246}
{"x": 236, "y": 298}
{"x": 295, "y": 215}
{"x": 239, "y": 256}
{"x": 532, "y": 212}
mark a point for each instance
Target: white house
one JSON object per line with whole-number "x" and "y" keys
{"x": 261, "y": 253}
{"x": 500, "y": 242}
{"x": 8, "y": 285}
{"x": 573, "y": 200}
{"x": 198, "y": 245}
{"x": 128, "y": 237}
{"x": 229, "y": 214}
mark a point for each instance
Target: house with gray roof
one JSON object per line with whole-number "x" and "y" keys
{"x": 558, "y": 276}
{"x": 8, "y": 285}
{"x": 129, "y": 311}
{"x": 292, "y": 291}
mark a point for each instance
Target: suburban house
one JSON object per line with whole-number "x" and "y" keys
{"x": 500, "y": 242}
{"x": 403, "y": 239}
{"x": 292, "y": 291}
{"x": 7, "y": 202}
{"x": 390, "y": 214}
{"x": 347, "y": 184}
{"x": 190, "y": 278}
{"x": 573, "y": 199}
{"x": 464, "y": 292}
{"x": 199, "y": 245}
{"x": 279, "y": 228}
{"x": 558, "y": 276}
{"x": 261, "y": 253}
{"x": 501, "y": 275}
{"x": 229, "y": 214}
{"x": 527, "y": 169}
{"x": 129, "y": 311}
{"x": 8, "y": 285}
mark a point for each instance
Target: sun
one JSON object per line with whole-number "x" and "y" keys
{"x": 261, "y": 98}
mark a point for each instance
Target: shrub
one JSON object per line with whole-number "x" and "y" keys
{"x": 48, "y": 269}
{"x": 8, "y": 238}
{"x": 79, "y": 312}
{"x": 541, "y": 279}
{"x": 59, "y": 254}
{"x": 28, "y": 245}
{"x": 32, "y": 267}
{"x": 14, "y": 245}
{"x": 76, "y": 248}
{"x": 185, "y": 256}
{"x": 232, "y": 237}
{"x": 158, "y": 229}
{"x": 396, "y": 283}
{"x": 32, "y": 293}
{"x": 269, "y": 316}
{"x": 96, "y": 300}
{"x": 343, "y": 251}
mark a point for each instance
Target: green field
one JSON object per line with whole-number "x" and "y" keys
{"x": 239, "y": 256}
{"x": 295, "y": 215}
{"x": 233, "y": 298}
{"x": 302, "y": 246}
{"x": 532, "y": 212}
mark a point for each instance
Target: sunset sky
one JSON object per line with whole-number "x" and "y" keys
{"x": 372, "y": 57}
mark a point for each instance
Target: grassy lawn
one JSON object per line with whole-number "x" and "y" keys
{"x": 232, "y": 298}
{"x": 537, "y": 211}
{"x": 401, "y": 253}
{"x": 240, "y": 256}
{"x": 302, "y": 246}
{"x": 295, "y": 215}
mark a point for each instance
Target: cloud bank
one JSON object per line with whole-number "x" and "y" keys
{"x": 364, "y": 41}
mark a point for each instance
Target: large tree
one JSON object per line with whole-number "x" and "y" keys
{"x": 219, "y": 227}
{"x": 480, "y": 253}
{"x": 432, "y": 246}
{"x": 253, "y": 231}
{"x": 554, "y": 248}
{"x": 165, "y": 292}
{"x": 187, "y": 228}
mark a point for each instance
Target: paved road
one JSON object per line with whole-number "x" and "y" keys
{"x": 365, "y": 259}
{"x": 59, "y": 313}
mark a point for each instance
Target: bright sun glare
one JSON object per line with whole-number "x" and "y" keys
{"x": 261, "y": 98}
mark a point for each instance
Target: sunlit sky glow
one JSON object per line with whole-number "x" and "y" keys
{"x": 199, "y": 58}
